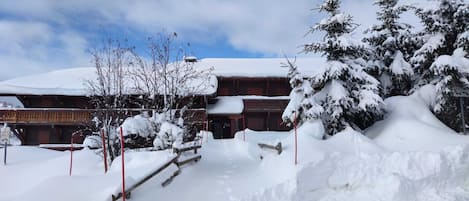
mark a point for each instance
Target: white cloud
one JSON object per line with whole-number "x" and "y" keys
{"x": 49, "y": 33}
{"x": 33, "y": 47}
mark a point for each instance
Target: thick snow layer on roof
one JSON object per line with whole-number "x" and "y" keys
{"x": 72, "y": 81}
{"x": 61, "y": 82}
{"x": 235, "y": 105}
{"x": 226, "y": 105}
{"x": 259, "y": 67}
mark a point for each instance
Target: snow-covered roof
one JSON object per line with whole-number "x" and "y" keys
{"x": 60, "y": 82}
{"x": 235, "y": 104}
{"x": 259, "y": 67}
{"x": 226, "y": 105}
{"x": 71, "y": 81}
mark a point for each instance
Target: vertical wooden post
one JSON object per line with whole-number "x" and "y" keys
{"x": 5, "y": 153}
{"x": 71, "y": 155}
{"x": 104, "y": 150}
{"x": 123, "y": 167}
{"x": 296, "y": 139}
{"x": 461, "y": 104}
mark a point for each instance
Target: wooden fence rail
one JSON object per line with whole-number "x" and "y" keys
{"x": 277, "y": 147}
{"x": 174, "y": 160}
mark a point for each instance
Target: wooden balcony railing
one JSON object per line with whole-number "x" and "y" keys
{"x": 45, "y": 116}
{"x": 64, "y": 116}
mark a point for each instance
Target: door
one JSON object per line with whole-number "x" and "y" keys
{"x": 221, "y": 128}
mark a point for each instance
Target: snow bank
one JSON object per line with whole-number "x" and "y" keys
{"x": 411, "y": 126}
{"x": 31, "y": 172}
{"x": 387, "y": 176}
{"x": 349, "y": 167}
{"x": 411, "y": 156}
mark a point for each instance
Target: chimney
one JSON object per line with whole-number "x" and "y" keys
{"x": 191, "y": 59}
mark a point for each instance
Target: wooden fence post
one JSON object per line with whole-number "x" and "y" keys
{"x": 71, "y": 155}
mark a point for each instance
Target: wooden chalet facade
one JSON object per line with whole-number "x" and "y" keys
{"x": 263, "y": 101}
{"x": 52, "y": 118}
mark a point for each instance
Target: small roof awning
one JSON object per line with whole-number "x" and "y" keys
{"x": 226, "y": 105}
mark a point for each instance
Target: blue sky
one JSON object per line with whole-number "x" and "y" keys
{"x": 42, "y": 35}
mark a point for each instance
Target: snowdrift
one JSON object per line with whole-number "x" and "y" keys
{"x": 411, "y": 126}
{"x": 411, "y": 155}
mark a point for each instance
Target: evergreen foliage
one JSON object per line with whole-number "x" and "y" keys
{"x": 391, "y": 46}
{"x": 442, "y": 59}
{"x": 343, "y": 94}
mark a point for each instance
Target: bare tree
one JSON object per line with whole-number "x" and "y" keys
{"x": 165, "y": 79}
{"x": 109, "y": 91}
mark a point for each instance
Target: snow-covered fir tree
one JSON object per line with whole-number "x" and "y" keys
{"x": 446, "y": 29}
{"x": 442, "y": 59}
{"x": 302, "y": 107}
{"x": 391, "y": 45}
{"x": 343, "y": 94}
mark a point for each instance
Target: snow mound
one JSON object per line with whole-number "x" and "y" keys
{"x": 138, "y": 125}
{"x": 387, "y": 176}
{"x": 411, "y": 126}
{"x": 93, "y": 141}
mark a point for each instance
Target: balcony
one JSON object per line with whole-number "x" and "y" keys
{"x": 59, "y": 116}
{"x": 70, "y": 116}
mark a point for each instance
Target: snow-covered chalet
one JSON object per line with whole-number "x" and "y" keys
{"x": 248, "y": 93}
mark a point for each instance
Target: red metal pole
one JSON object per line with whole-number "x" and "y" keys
{"x": 296, "y": 140}
{"x": 123, "y": 167}
{"x": 71, "y": 155}
{"x": 104, "y": 150}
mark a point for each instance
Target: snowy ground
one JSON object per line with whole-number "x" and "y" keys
{"x": 409, "y": 155}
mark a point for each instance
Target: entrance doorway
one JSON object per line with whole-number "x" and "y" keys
{"x": 221, "y": 128}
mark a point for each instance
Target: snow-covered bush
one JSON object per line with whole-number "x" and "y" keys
{"x": 12, "y": 138}
{"x": 143, "y": 131}
{"x": 93, "y": 141}
{"x": 168, "y": 134}
{"x": 140, "y": 125}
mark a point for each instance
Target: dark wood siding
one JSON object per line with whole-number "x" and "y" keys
{"x": 234, "y": 86}
{"x": 256, "y": 121}
{"x": 252, "y": 87}
{"x": 36, "y": 101}
{"x": 279, "y": 88}
{"x": 264, "y": 105}
{"x": 276, "y": 122}
{"x": 226, "y": 87}
{"x": 265, "y": 121}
